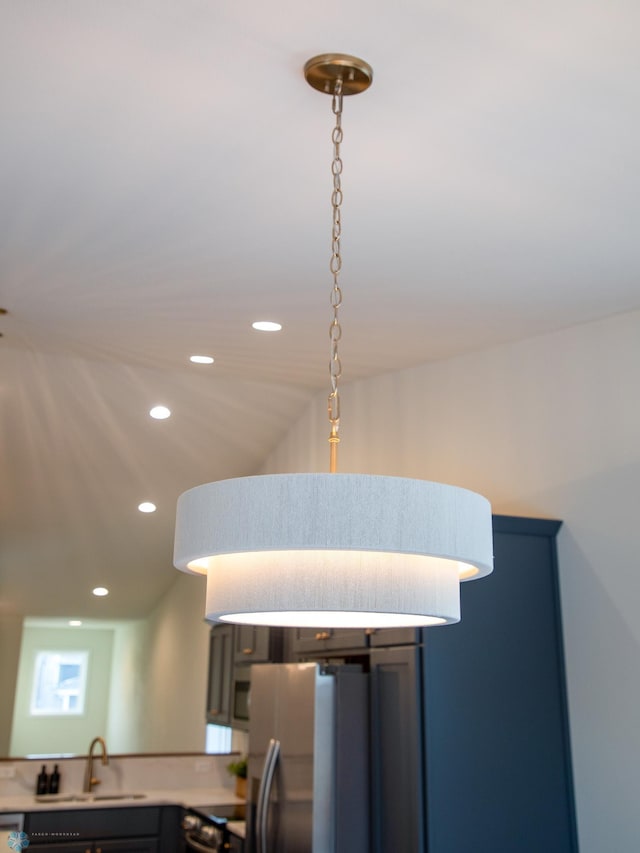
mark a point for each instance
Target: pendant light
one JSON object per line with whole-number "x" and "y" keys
{"x": 333, "y": 550}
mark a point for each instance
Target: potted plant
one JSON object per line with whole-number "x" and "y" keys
{"x": 239, "y": 770}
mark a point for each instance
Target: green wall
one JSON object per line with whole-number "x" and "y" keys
{"x": 62, "y": 734}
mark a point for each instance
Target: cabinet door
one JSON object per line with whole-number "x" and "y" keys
{"x": 497, "y": 752}
{"x": 257, "y": 644}
{"x": 393, "y": 636}
{"x": 127, "y": 845}
{"x": 240, "y": 692}
{"x": 396, "y": 739}
{"x": 121, "y": 845}
{"x": 318, "y": 640}
{"x": 84, "y": 826}
{"x": 236, "y": 844}
{"x": 220, "y": 669}
{"x": 170, "y": 831}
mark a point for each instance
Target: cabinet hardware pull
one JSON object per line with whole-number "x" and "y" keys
{"x": 370, "y": 631}
{"x": 323, "y": 635}
{"x": 247, "y": 651}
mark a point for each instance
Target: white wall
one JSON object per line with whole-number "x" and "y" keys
{"x": 126, "y": 719}
{"x": 547, "y": 427}
{"x": 173, "y": 678}
{"x": 10, "y": 642}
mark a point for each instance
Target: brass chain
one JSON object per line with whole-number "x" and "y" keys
{"x": 335, "y": 265}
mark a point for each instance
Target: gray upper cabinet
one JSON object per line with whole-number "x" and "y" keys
{"x": 218, "y": 709}
{"x": 256, "y": 644}
{"x": 316, "y": 641}
{"x": 393, "y": 636}
{"x": 232, "y": 649}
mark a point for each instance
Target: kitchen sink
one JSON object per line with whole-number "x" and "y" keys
{"x": 103, "y": 797}
{"x": 88, "y": 797}
{"x": 55, "y": 798}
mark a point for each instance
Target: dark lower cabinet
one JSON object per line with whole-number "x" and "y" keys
{"x": 150, "y": 829}
{"x": 131, "y": 845}
{"x": 497, "y": 758}
{"x": 236, "y": 844}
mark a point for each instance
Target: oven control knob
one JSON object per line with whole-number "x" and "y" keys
{"x": 191, "y": 823}
{"x": 209, "y": 834}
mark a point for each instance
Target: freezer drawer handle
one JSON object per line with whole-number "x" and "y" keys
{"x": 264, "y": 794}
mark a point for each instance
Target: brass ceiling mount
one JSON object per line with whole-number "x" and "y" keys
{"x": 324, "y": 70}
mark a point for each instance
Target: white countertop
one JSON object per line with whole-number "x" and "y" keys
{"x": 237, "y": 827}
{"x": 187, "y": 797}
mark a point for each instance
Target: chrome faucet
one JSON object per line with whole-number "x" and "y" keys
{"x": 89, "y": 779}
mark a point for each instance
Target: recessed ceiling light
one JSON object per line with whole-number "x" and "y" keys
{"x": 266, "y": 326}
{"x": 201, "y": 359}
{"x": 147, "y": 506}
{"x": 100, "y": 591}
{"x": 160, "y": 413}
{"x": 75, "y": 623}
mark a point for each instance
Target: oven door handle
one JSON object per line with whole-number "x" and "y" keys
{"x": 193, "y": 844}
{"x": 264, "y": 793}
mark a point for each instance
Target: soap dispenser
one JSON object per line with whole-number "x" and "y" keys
{"x": 42, "y": 784}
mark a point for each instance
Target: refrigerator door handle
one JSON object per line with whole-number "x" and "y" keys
{"x": 264, "y": 794}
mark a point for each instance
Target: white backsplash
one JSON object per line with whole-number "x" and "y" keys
{"x": 123, "y": 773}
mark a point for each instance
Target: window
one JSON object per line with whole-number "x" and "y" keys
{"x": 59, "y": 683}
{"x": 218, "y": 739}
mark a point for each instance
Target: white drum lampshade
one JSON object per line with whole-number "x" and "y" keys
{"x": 328, "y": 550}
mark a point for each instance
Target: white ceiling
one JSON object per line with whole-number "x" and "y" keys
{"x": 164, "y": 181}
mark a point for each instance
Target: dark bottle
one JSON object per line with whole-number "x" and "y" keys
{"x": 42, "y": 785}
{"x": 54, "y": 781}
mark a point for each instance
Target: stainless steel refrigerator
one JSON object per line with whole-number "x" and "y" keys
{"x": 308, "y": 775}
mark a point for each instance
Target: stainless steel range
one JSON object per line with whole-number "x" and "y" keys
{"x": 205, "y": 829}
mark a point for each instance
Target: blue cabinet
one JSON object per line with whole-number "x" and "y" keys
{"x": 396, "y": 750}
{"x": 497, "y": 758}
